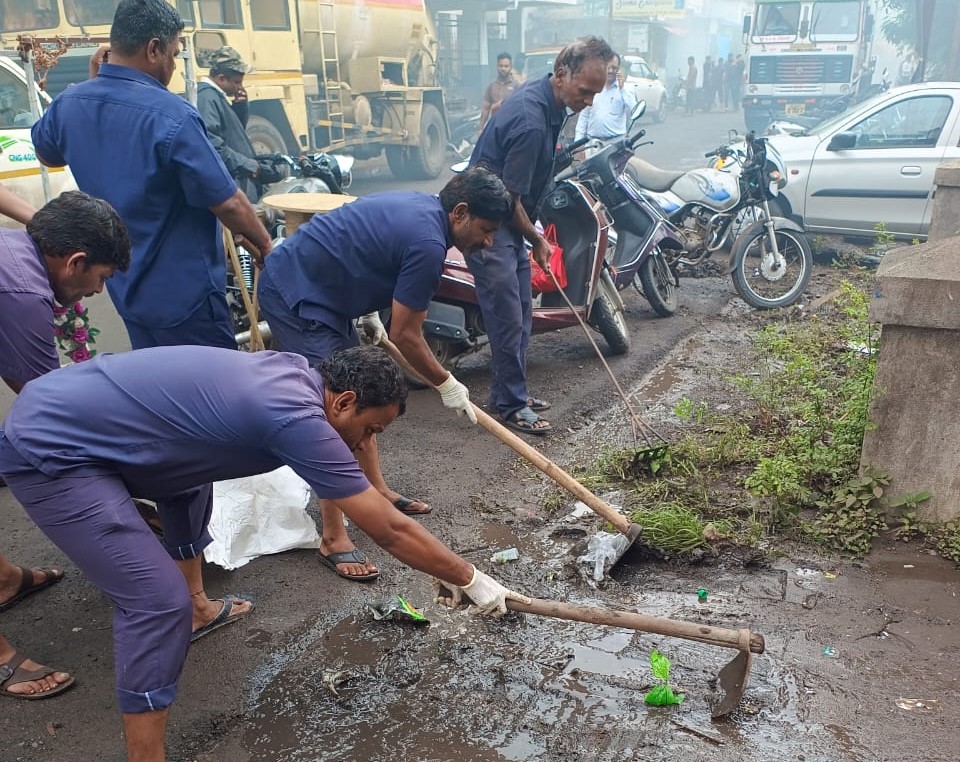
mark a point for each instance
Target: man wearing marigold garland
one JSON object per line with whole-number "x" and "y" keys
{"x": 70, "y": 247}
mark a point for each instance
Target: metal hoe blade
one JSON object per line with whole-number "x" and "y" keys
{"x": 731, "y": 684}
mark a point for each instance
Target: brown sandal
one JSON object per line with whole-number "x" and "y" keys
{"x": 12, "y": 673}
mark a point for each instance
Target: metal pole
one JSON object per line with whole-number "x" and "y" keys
{"x": 36, "y": 112}
{"x": 189, "y": 75}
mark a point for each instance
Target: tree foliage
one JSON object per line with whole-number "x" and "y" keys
{"x": 902, "y": 27}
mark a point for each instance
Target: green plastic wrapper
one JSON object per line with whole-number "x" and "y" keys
{"x": 661, "y": 695}
{"x": 398, "y": 610}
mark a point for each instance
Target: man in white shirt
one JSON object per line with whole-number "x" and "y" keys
{"x": 609, "y": 116}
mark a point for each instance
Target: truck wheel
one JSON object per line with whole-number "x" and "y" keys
{"x": 428, "y": 159}
{"x": 398, "y": 161}
{"x": 264, "y": 136}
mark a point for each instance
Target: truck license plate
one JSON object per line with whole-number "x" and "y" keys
{"x": 795, "y": 109}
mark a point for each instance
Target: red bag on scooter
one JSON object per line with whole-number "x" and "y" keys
{"x": 540, "y": 279}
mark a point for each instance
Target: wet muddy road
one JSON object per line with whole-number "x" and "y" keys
{"x": 312, "y": 676}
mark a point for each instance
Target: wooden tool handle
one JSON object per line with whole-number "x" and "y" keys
{"x": 742, "y": 640}
{"x": 532, "y": 455}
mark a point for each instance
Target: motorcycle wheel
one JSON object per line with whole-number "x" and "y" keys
{"x": 606, "y": 315}
{"x": 659, "y": 285}
{"x": 754, "y": 276}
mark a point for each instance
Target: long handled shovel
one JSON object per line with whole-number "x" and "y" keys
{"x": 732, "y": 679}
{"x": 533, "y": 456}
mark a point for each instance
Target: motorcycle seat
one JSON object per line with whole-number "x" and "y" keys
{"x": 653, "y": 178}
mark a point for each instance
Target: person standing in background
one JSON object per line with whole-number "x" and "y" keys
{"x": 735, "y": 82}
{"x": 502, "y": 87}
{"x": 226, "y": 122}
{"x": 690, "y": 83}
{"x": 609, "y": 114}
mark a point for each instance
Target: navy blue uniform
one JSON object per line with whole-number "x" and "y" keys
{"x": 132, "y": 142}
{"x": 518, "y": 144}
{"x": 351, "y": 261}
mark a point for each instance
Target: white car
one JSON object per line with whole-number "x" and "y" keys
{"x": 19, "y": 168}
{"x": 874, "y": 163}
{"x": 646, "y": 85}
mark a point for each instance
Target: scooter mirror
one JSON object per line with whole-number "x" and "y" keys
{"x": 638, "y": 111}
{"x": 460, "y": 166}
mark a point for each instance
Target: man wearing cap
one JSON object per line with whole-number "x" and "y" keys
{"x": 226, "y": 121}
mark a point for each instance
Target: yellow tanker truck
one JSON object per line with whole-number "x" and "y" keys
{"x": 351, "y": 76}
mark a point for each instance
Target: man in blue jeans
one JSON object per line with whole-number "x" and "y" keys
{"x": 518, "y": 145}
{"x": 381, "y": 251}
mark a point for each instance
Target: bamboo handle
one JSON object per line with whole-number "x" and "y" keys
{"x": 741, "y": 640}
{"x": 249, "y": 305}
{"x": 533, "y": 456}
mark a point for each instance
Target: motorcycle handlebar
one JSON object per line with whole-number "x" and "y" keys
{"x": 578, "y": 144}
{"x": 711, "y": 154}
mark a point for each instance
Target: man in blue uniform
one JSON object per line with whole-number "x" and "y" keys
{"x": 130, "y": 141}
{"x": 70, "y": 247}
{"x": 381, "y": 251}
{"x": 172, "y": 420}
{"x": 518, "y": 145}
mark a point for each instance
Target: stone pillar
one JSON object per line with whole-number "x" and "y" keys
{"x": 916, "y": 398}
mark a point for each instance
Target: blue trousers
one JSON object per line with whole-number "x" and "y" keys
{"x": 502, "y": 275}
{"x": 292, "y": 333}
{"x": 209, "y": 325}
{"x": 93, "y": 521}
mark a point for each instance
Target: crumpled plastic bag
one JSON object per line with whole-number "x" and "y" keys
{"x": 259, "y": 515}
{"x": 603, "y": 550}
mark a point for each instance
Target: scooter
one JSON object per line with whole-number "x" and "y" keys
{"x": 770, "y": 258}
{"x": 454, "y": 324}
{"x": 641, "y": 233}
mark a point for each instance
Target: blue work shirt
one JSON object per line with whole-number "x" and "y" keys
{"x": 27, "y": 342}
{"x": 361, "y": 256}
{"x": 174, "y": 418}
{"x": 132, "y": 142}
{"x": 520, "y": 140}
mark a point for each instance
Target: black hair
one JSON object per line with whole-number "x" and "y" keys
{"x": 370, "y": 373}
{"x": 577, "y": 53}
{"x": 73, "y": 222}
{"x": 482, "y": 191}
{"x": 502, "y": 56}
{"x": 136, "y": 22}
{"x": 615, "y": 54}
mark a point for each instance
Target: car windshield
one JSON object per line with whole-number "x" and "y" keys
{"x": 777, "y": 20}
{"x": 27, "y": 15}
{"x": 634, "y": 67}
{"x": 539, "y": 64}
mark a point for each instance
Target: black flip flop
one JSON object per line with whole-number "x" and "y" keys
{"x": 222, "y": 619}
{"x": 523, "y": 419}
{"x": 355, "y": 556}
{"x": 538, "y": 405}
{"x": 27, "y": 588}
{"x": 403, "y": 504}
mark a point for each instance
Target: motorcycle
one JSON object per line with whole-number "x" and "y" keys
{"x": 640, "y": 233}
{"x": 454, "y": 324}
{"x": 770, "y": 258}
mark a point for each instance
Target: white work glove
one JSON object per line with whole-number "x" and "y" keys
{"x": 371, "y": 329}
{"x": 457, "y": 397}
{"x": 487, "y": 595}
